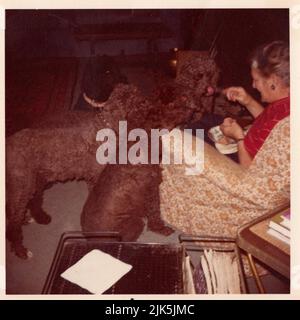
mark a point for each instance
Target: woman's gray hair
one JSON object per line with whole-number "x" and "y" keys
{"x": 273, "y": 58}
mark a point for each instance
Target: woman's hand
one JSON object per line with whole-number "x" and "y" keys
{"x": 238, "y": 94}
{"x": 232, "y": 129}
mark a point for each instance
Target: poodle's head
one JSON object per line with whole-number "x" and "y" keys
{"x": 125, "y": 103}
{"x": 101, "y": 76}
{"x": 197, "y": 73}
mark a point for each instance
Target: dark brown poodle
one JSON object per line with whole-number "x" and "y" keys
{"x": 57, "y": 150}
{"x": 127, "y": 196}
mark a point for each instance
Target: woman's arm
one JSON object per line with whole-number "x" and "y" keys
{"x": 254, "y": 107}
{"x": 231, "y": 128}
{"x": 244, "y": 157}
{"x": 240, "y": 95}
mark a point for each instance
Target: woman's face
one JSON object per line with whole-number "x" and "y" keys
{"x": 263, "y": 85}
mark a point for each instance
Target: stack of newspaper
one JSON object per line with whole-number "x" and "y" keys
{"x": 280, "y": 226}
{"x": 220, "y": 272}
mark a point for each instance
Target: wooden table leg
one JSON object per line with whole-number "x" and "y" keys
{"x": 259, "y": 284}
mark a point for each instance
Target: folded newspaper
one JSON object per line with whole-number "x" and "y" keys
{"x": 221, "y": 273}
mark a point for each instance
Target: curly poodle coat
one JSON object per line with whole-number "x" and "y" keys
{"x": 64, "y": 148}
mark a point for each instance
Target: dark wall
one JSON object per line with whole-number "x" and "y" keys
{"x": 235, "y": 33}
{"x": 41, "y": 33}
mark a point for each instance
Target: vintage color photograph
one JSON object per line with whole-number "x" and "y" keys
{"x": 131, "y": 224}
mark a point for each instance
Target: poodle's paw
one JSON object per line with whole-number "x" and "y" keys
{"x": 160, "y": 228}
{"x": 42, "y": 218}
{"x": 30, "y": 220}
{"x": 166, "y": 231}
{"x": 22, "y": 252}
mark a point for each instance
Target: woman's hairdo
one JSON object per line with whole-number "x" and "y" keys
{"x": 273, "y": 58}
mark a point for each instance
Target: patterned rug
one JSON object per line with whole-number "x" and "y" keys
{"x": 36, "y": 88}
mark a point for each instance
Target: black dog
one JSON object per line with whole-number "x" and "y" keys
{"x": 101, "y": 75}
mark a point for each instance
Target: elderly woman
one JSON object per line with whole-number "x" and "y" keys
{"x": 227, "y": 194}
{"x": 270, "y": 74}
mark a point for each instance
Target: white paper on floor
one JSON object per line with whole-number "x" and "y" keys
{"x": 96, "y": 272}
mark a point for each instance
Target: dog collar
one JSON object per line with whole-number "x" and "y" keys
{"x": 92, "y": 102}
